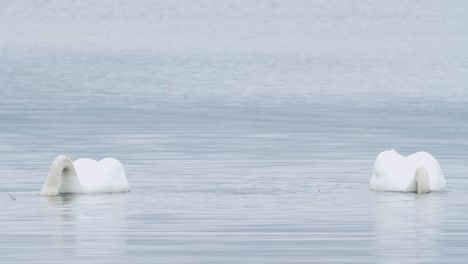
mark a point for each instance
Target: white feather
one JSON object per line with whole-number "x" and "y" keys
{"x": 394, "y": 172}
{"x": 85, "y": 176}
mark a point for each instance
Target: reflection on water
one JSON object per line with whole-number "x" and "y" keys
{"x": 64, "y": 233}
{"x": 409, "y": 221}
{"x": 62, "y": 207}
{"x": 82, "y": 225}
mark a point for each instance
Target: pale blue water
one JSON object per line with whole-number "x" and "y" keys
{"x": 248, "y": 129}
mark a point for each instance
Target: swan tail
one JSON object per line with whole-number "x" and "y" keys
{"x": 422, "y": 180}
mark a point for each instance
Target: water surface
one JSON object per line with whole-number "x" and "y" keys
{"x": 248, "y": 129}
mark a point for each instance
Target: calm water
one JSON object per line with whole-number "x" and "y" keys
{"x": 248, "y": 129}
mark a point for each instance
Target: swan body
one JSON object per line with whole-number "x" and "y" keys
{"x": 419, "y": 172}
{"x": 85, "y": 176}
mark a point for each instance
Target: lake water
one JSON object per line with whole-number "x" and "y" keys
{"x": 248, "y": 129}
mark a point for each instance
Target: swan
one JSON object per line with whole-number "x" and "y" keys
{"x": 85, "y": 176}
{"x": 419, "y": 172}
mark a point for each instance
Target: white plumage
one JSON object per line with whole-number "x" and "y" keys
{"x": 85, "y": 176}
{"x": 419, "y": 172}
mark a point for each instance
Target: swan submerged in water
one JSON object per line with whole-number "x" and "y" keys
{"x": 419, "y": 172}
{"x": 85, "y": 176}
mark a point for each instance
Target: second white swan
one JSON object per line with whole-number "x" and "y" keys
{"x": 419, "y": 172}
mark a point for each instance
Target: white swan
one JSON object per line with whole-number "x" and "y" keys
{"x": 419, "y": 172}
{"x": 85, "y": 176}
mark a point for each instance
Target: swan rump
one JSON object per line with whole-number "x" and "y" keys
{"x": 419, "y": 172}
{"x": 85, "y": 176}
